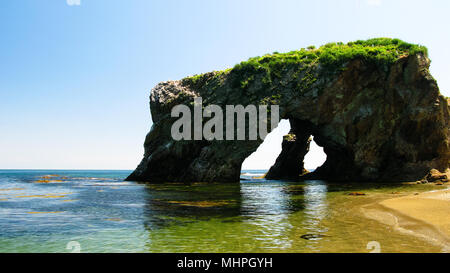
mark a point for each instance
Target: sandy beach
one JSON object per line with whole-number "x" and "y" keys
{"x": 425, "y": 215}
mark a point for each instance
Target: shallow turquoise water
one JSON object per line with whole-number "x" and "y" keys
{"x": 99, "y": 212}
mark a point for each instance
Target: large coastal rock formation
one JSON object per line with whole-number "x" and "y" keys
{"x": 372, "y": 105}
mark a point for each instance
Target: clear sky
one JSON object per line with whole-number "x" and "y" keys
{"x": 75, "y": 79}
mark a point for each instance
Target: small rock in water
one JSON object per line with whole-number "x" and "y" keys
{"x": 313, "y": 236}
{"x": 439, "y": 184}
{"x": 356, "y": 194}
{"x": 436, "y": 175}
{"x": 259, "y": 177}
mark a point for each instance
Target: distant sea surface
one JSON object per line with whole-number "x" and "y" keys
{"x": 97, "y": 211}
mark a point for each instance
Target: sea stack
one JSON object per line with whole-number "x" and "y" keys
{"x": 372, "y": 105}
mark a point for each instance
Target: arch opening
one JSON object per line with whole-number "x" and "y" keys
{"x": 267, "y": 153}
{"x": 287, "y": 153}
{"x": 315, "y": 158}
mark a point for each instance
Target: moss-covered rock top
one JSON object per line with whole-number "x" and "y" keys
{"x": 381, "y": 51}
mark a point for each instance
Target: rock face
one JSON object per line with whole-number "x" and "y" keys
{"x": 289, "y": 164}
{"x": 372, "y": 105}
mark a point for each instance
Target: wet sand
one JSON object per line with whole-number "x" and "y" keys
{"x": 425, "y": 215}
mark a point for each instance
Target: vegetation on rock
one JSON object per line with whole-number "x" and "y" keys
{"x": 380, "y": 51}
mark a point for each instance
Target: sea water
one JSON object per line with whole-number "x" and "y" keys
{"x": 97, "y": 211}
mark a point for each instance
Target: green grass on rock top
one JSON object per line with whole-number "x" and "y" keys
{"x": 382, "y": 51}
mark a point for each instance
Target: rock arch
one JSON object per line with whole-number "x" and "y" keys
{"x": 378, "y": 118}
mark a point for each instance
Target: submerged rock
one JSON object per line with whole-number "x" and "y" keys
{"x": 313, "y": 236}
{"x": 357, "y": 194}
{"x": 372, "y": 105}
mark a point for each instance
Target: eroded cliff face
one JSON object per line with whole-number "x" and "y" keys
{"x": 376, "y": 121}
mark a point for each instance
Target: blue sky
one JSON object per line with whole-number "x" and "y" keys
{"x": 75, "y": 80}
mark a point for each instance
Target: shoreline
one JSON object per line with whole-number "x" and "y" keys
{"x": 424, "y": 215}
